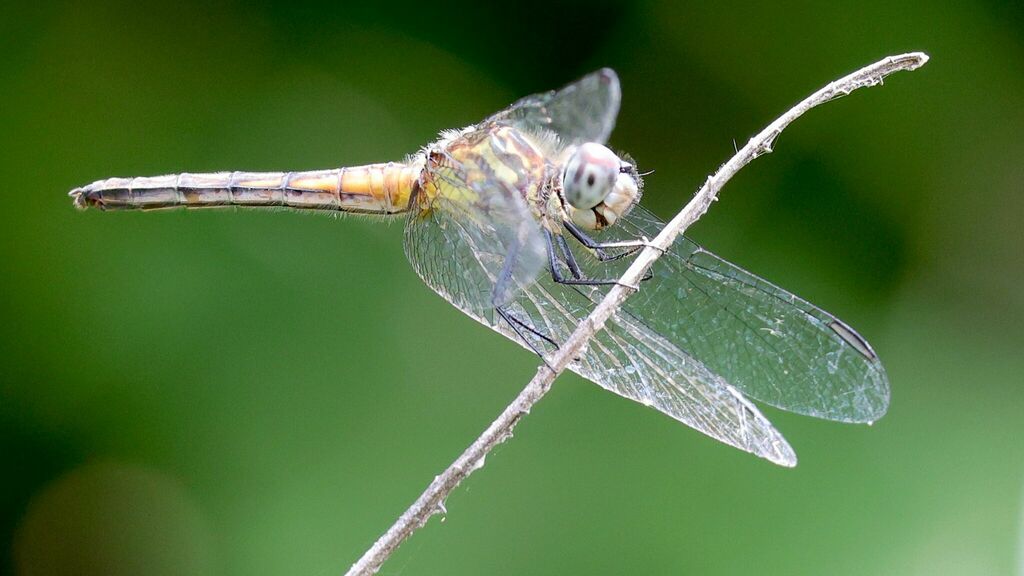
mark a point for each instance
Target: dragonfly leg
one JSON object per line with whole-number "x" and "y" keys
{"x": 567, "y": 256}
{"x": 524, "y": 330}
{"x": 502, "y": 297}
{"x": 577, "y": 278}
{"x": 628, "y": 247}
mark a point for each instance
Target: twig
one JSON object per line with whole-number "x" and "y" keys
{"x": 432, "y": 500}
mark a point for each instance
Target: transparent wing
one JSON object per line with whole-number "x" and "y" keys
{"x": 461, "y": 261}
{"x": 772, "y": 345}
{"x": 476, "y": 243}
{"x": 583, "y": 111}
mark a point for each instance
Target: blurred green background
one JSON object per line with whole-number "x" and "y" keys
{"x": 241, "y": 392}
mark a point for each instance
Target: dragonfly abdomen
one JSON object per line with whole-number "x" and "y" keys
{"x": 374, "y": 188}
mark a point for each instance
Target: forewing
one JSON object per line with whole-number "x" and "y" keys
{"x": 583, "y": 111}
{"x": 626, "y": 357}
{"x": 772, "y": 345}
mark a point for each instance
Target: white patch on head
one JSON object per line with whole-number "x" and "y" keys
{"x": 590, "y": 175}
{"x": 620, "y": 199}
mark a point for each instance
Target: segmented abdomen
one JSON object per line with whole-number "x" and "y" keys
{"x": 374, "y": 188}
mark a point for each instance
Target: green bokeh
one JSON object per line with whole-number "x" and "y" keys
{"x": 239, "y": 392}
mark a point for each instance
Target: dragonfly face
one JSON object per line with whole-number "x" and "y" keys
{"x": 598, "y": 186}
{"x": 499, "y": 217}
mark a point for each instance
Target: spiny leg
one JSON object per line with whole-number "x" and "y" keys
{"x": 599, "y": 248}
{"x": 574, "y": 267}
{"x": 519, "y": 326}
{"x": 568, "y": 257}
{"x": 504, "y": 287}
{"x": 501, "y": 297}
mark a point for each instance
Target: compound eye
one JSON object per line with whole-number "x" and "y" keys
{"x": 590, "y": 175}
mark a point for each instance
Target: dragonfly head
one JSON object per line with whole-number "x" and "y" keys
{"x": 598, "y": 186}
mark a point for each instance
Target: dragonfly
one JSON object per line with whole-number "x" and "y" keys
{"x": 523, "y": 222}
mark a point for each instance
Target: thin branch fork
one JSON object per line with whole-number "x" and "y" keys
{"x": 431, "y": 501}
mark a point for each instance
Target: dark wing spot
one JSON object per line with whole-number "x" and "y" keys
{"x": 853, "y": 339}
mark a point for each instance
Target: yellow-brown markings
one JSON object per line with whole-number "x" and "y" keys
{"x": 405, "y": 180}
{"x": 484, "y": 165}
{"x": 377, "y": 183}
{"x": 355, "y": 180}
{"x": 319, "y": 182}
